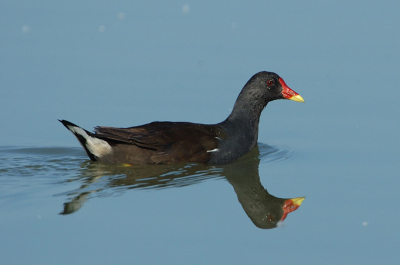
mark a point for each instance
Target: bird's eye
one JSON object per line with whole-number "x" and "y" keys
{"x": 270, "y": 218}
{"x": 270, "y": 82}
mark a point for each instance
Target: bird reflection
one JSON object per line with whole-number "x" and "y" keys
{"x": 264, "y": 210}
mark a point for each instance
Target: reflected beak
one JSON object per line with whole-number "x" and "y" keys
{"x": 288, "y": 93}
{"x": 291, "y": 205}
{"x": 298, "y": 201}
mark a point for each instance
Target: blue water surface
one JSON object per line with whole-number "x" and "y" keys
{"x": 122, "y": 64}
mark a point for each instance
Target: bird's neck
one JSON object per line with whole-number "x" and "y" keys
{"x": 241, "y": 128}
{"x": 242, "y": 124}
{"x": 247, "y": 115}
{"x": 248, "y": 107}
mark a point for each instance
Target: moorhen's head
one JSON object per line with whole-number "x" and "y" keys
{"x": 269, "y": 86}
{"x": 262, "y": 88}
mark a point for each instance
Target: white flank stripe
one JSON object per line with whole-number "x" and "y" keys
{"x": 214, "y": 150}
{"x": 96, "y": 146}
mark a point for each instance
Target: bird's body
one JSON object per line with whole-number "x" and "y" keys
{"x": 174, "y": 142}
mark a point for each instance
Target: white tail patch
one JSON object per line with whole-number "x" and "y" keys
{"x": 95, "y": 145}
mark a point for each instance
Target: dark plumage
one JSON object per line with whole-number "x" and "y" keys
{"x": 173, "y": 142}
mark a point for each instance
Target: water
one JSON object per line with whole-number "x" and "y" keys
{"x": 126, "y": 64}
{"x": 60, "y": 166}
{"x": 43, "y": 188}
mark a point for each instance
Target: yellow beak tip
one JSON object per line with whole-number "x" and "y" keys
{"x": 297, "y": 98}
{"x": 298, "y": 200}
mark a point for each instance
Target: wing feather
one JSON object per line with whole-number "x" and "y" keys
{"x": 170, "y": 140}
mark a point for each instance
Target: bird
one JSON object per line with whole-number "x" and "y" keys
{"x": 167, "y": 142}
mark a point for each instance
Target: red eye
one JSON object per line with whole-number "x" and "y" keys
{"x": 270, "y": 82}
{"x": 270, "y": 218}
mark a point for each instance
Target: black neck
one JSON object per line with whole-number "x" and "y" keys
{"x": 245, "y": 118}
{"x": 242, "y": 125}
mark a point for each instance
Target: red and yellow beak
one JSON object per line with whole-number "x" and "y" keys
{"x": 288, "y": 93}
{"x": 291, "y": 205}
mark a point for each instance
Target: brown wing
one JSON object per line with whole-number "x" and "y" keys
{"x": 170, "y": 142}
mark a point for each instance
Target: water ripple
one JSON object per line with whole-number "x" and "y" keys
{"x": 24, "y": 170}
{"x": 270, "y": 153}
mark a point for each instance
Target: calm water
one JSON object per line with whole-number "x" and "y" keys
{"x": 60, "y": 166}
{"x": 123, "y": 64}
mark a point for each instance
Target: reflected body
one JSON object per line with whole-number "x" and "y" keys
{"x": 176, "y": 142}
{"x": 264, "y": 209}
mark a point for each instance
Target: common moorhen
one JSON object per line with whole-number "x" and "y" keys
{"x": 173, "y": 142}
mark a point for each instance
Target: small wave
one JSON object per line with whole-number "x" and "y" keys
{"x": 47, "y": 162}
{"x": 43, "y": 151}
{"x": 271, "y": 153}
